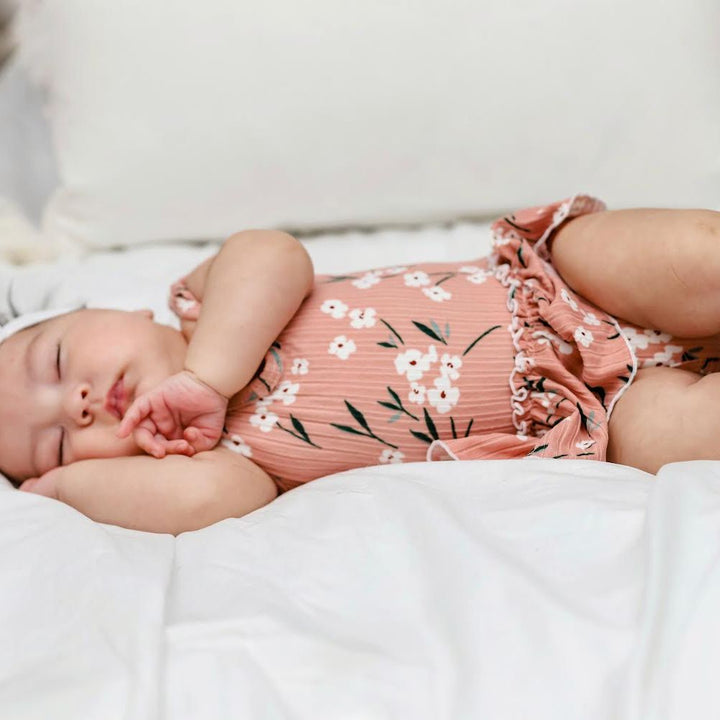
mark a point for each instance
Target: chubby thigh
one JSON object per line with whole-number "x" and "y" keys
{"x": 666, "y": 415}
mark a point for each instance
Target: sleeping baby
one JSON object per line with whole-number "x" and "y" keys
{"x": 586, "y": 333}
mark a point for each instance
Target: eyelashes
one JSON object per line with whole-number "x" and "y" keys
{"x": 60, "y": 446}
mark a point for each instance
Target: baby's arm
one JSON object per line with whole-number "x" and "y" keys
{"x": 249, "y": 291}
{"x": 172, "y": 495}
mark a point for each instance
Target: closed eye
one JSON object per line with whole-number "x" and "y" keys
{"x": 60, "y": 446}
{"x": 57, "y": 361}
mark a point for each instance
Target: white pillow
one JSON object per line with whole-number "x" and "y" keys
{"x": 178, "y": 119}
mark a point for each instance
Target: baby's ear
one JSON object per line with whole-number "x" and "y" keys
{"x": 149, "y": 314}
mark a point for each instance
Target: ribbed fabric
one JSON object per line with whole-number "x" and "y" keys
{"x": 490, "y": 358}
{"x": 343, "y": 390}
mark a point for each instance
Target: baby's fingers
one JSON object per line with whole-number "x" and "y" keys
{"x": 197, "y": 440}
{"x": 139, "y": 410}
{"x": 179, "y": 447}
{"x": 149, "y": 442}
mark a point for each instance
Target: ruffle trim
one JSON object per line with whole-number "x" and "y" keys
{"x": 576, "y": 205}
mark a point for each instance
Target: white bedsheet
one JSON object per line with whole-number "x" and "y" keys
{"x": 499, "y": 589}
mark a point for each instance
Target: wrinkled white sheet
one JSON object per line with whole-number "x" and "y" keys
{"x": 505, "y": 589}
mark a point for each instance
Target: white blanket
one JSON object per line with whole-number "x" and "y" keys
{"x": 498, "y": 589}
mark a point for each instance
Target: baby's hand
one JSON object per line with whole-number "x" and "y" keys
{"x": 181, "y": 415}
{"x": 46, "y": 484}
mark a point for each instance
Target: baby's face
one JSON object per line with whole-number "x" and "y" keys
{"x": 65, "y": 383}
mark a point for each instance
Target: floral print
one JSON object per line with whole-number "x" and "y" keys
{"x": 342, "y": 347}
{"x": 495, "y": 357}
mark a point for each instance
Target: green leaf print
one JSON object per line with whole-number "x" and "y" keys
{"x": 429, "y": 331}
{"x": 467, "y": 432}
{"x": 520, "y": 256}
{"x": 480, "y": 337}
{"x": 395, "y": 418}
{"x": 348, "y": 429}
{"x": 422, "y": 436}
{"x": 538, "y": 449}
{"x": 278, "y": 359}
{"x": 397, "y": 405}
{"x": 358, "y": 416}
{"x": 442, "y": 280}
{"x": 339, "y": 278}
{"x": 436, "y": 327}
{"x": 447, "y": 330}
{"x": 452, "y": 426}
{"x": 394, "y": 396}
{"x": 388, "y": 345}
{"x": 430, "y": 425}
{"x": 301, "y": 433}
{"x": 392, "y": 330}
{"x": 298, "y": 426}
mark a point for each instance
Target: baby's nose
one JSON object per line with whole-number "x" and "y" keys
{"x": 78, "y": 405}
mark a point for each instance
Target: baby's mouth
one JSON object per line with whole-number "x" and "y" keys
{"x": 116, "y": 400}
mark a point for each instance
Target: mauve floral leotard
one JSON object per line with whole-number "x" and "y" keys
{"x": 490, "y": 358}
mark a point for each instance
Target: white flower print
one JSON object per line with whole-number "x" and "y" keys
{"x": 342, "y": 347}
{"x": 470, "y": 269}
{"x": 236, "y": 444}
{"x": 545, "y": 336}
{"x": 299, "y": 366}
{"x": 590, "y": 319}
{"x": 583, "y": 336}
{"x": 362, "y": 318}
{"x": 565, "y": 295}
{"x": 262, "y": 404}
{"x": 287, "y": 392}
{"x": 443, "y": 397}
{"x": 523, "y": 363}
{"x": 663, "y": 358}
{"x": 449, "y": 365}
{"x": 265, "y": 420}
{"x": 413, "y": 363}
{"x": 416, "y": 279}
{"x": 437, "y": 293}
{"x": 367, "y": 280}
{"x": 391, "y": 456}
{"x": 641, "y": 340}
{"x": 416, "y": 394}
{"x": 500, "y": 238}
{"x": 546, "y": 398}
{"x": 584, "y": 444}
{"x": 335, "y": 308}
{"x": 478, "y": 278}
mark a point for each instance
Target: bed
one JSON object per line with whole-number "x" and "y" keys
{"x": 504, "y": 589}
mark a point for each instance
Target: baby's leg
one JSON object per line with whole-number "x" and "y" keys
{"x": 656, "y": 268}
{"x": 666, "y": 415}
